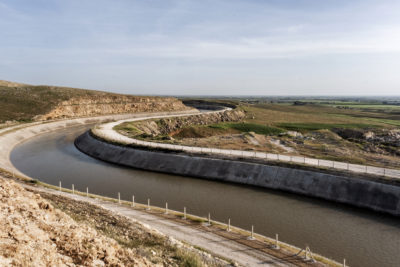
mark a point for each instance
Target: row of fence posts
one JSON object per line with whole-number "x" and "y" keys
{"x": 278, "y": 157}
{"x": 308, "y": 254}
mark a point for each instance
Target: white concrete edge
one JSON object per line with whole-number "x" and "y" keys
{"x": 106, "y": 132}
{"x": 12, "y": 136}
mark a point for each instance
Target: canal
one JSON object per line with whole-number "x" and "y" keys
{"x": 334, "y": 230}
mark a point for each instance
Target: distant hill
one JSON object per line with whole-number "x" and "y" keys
{"x": 10, "y": 84}
{"x": 23, "y": 102}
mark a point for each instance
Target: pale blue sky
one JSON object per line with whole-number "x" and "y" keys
{"x": 224, "y": 47}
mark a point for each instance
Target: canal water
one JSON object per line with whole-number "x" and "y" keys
{"x": 337, "y": 231}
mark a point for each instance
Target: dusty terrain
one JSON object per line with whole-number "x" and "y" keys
{"x": 34, "y": 232}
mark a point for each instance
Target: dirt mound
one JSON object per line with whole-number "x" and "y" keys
{"x": 33, "y": 233}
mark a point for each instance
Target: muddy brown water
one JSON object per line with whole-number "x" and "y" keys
{"x": 337, "y": 231}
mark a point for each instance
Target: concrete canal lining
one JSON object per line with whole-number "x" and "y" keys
{"x": 11, "y": 137}
{"x": 344, "y": 189}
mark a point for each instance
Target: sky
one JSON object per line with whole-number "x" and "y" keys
{"x": 204, "y": 47}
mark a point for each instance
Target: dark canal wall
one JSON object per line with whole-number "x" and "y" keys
{"x": 357, "y": 192}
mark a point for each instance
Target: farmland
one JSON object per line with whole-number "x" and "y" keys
{"x": 363, "y": 134}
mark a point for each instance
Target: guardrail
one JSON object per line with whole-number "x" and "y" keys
{"x": 357, "y": 168}
{"x": 304, "y": 254}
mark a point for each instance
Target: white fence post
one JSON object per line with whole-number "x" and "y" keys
{"x": 184, "y": 213}
{"x": 59, "y": 185}
{"x": 133, "y": 201}
{"x": 166, "y": 207}
{"x": 119, "y": 198}
{"x": 87, "y": 191}
{"x": 252, "y": 233}
{"x": 229, "y": 225}
{"x": 276, "y": 241}
{"x": 73, "y": 189}
{"x": 148, "y": 204}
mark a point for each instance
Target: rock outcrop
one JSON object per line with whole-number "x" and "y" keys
{"x": 111, "y": 104}
{"x": 170, "y": 125}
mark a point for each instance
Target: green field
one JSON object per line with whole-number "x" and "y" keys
{"x": 324, "y": 132}
{"x": 315, "y": 117}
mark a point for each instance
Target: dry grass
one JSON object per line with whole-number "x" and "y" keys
{"x": 20, "y": 102}
{"x": 275, "y": 114}
{"x": 315, "y": 122}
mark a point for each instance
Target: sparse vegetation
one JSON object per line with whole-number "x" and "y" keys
{"x": 188, "y": 259}
{"x": 249, "y": 127}
{"x": 306, "y": 127}
{"x": 359, "y": 135}
{"x": 24, "y": 102}
{"x": 130, "y": 235}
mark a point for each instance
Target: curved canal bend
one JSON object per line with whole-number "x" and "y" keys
{"x": 364, "y": 238}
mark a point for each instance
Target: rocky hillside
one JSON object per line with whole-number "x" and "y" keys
{"x": 53, "y": 230}
{"x": 380, "y": 141}
{"x": 33, "y": 233}
{"x": 105, "y": 103}
{"x": 20, "y": 102}
{"x": 168, "y": 126}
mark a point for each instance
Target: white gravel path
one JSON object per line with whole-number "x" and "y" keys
{"x": 106, "y": 132}
{"x": 218, "y": 245}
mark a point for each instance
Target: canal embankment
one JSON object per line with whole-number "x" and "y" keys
{"x": 9, "y": 139}
{"x": 363, "y": 193}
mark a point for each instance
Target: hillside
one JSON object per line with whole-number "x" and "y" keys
{"x": 51, "y": 230}
{"x": 36, "y": 234}
{"x": 21, "y": 102}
